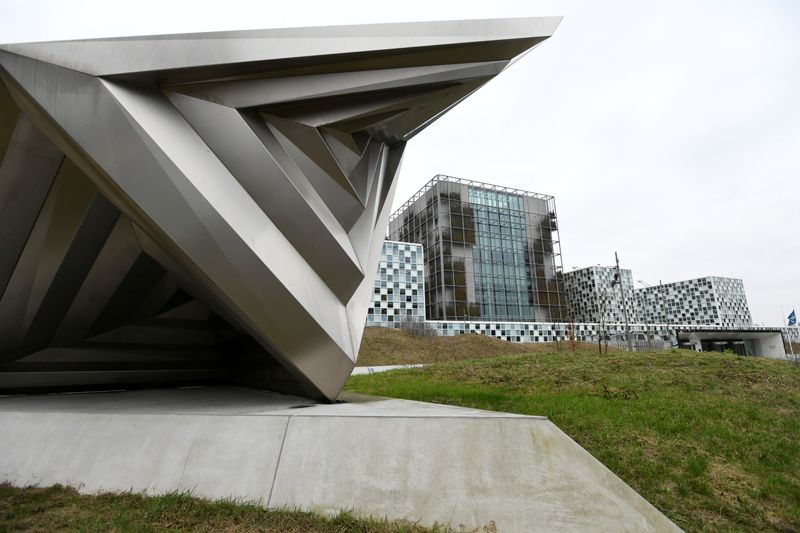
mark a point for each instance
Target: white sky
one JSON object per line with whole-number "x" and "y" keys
{"x": 667, "y": 131}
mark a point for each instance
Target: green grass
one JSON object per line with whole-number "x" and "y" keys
{"x": 712, "y": 440}
{"x": 62, "y": 509}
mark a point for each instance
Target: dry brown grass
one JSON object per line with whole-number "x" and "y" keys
{"x": 384, "y": 346}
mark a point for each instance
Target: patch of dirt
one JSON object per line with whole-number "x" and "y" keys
{"x": 732, "y": 485}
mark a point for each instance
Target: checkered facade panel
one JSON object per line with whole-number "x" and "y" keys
{"x": 399, "y": 292}
{"x": 589, "y": 290}
{"x": 711, "y": 300}
{"x": 547, "y": 331}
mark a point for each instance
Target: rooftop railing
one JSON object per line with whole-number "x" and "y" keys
{"x": 442, "y": 178}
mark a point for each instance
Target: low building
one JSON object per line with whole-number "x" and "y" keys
{"x": 399, "y": 292}
{"x": 711, "y": 300}
{"x": 706, "y": 301}
{"x": 767, "y": 342}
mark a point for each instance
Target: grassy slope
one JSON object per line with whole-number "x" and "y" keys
{"x": 384, "y": 346}
{"x": 62, "y": 509}
{"x": 712, "y": 440}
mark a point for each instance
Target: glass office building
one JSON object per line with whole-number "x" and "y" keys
{"x": 491, "y": 253}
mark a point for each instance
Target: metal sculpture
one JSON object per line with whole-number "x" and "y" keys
{"x": 187, "y": 208}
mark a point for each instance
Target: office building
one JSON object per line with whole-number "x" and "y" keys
{"x": 491, "y": 253}
{"x": 711, "y": 300}
{"x": 592, "y": 298}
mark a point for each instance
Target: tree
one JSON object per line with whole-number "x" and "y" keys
{"x": 602, "y": 306}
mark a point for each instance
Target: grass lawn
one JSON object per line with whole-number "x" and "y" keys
{"x": 384, "y": 346}
{"x": 62, "y": 509}
{"x": 712, "y": 440}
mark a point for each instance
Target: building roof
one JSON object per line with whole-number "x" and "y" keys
{"x": 442, "y": 178}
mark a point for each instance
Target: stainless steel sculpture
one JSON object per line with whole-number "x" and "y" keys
{"x": 184, "y": 208}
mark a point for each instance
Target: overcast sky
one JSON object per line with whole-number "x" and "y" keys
{"x": 667, "y": 131}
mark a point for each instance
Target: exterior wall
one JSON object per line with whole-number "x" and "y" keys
{"x": 586, "y": 287}
{"x": 765, "y": 340}
{"x": 551, "y": 331}
{"x": 399, "y": 292}
{"x": 491, "y": 253}
{"x": 711, "y": 300}
{"x": 770, "y": 346}
{"x": 732, "y": 308}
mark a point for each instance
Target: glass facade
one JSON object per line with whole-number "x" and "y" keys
{"x": 491, "y": 253}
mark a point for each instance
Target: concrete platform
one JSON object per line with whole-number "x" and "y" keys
{"x": 361, "y": 370}
{"x": 380, "y": 457}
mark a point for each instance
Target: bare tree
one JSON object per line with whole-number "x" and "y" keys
{"x": 417, "y": 328}
{"x": 573, "y": 343}
{"x": 602, "y": 306}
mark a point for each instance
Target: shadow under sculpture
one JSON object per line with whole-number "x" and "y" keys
{"x": 210, "y": 207}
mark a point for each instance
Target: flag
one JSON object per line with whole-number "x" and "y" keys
{"x": 792, "y": 318}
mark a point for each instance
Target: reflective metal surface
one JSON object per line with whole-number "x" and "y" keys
{"x": 212, "y": 206}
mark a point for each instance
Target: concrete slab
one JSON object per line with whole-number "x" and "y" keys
{"x": 361, "y": 370}
{"x": 214, "y": 457}
{"x": 393, "y": 458}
